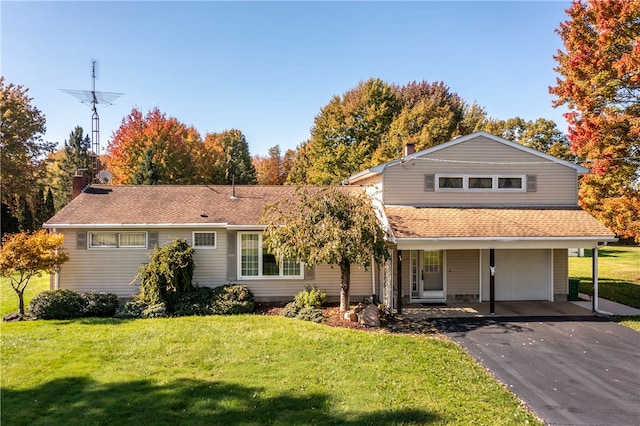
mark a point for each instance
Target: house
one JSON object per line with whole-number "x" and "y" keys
{"x": 476, "y": 216}
{"x": 453, "y": 214}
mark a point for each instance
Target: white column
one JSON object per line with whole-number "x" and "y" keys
{"x": 594, "y": 273}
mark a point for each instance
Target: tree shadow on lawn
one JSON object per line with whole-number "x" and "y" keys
{"x": 78, "y": 400}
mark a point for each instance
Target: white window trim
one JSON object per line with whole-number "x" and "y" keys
{"x": 118, "y": 246}
{"x": 260, "y": 265}
{"x": 494, "y": 185}
{"x": 215, "y": 240}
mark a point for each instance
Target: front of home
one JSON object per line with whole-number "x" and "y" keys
{"x": 453, "y": 214}
{"x": 479, "y": 212}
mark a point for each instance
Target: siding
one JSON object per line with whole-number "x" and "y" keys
{"x": 556, "y": 184}
{"x": 462, "y": 274}
{"x": 114, "y": 270}
{"x": 560, "y": 274}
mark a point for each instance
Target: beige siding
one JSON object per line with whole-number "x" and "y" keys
{"x": 114, "y": 270}
{"x": 404, "y": 184}
{"x": 560, "y": 274}
{"x": 463, "y": 269}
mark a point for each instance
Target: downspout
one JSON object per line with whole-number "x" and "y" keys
{"x": 56, "y": 275}
{"x": 594, "y": 273}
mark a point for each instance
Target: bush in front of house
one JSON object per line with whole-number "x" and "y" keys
{"x": 196, "y": 302}
{"x": 140, "y": 309}
{"x": 306, "y": 305}
{"x": 100, "y": 304}
{"x": 233, "y": 299}
{"x": 57, "y": 304}
{"x": 310, "y": 297}
{"x": 168, "y": 274}
{"x": 67, "y": 304}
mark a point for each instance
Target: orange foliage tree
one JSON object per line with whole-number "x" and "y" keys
{"x": 25, "y": 255}
{"x": 274, "y": 168}
{"x": 153, "y": 141}
{"x": 600, "y": 84}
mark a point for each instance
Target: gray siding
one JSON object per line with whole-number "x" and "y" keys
{"x": 560, "y": 274}
{"x": 556, "y": 183}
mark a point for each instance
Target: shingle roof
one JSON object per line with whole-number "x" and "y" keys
{"x": 503, "y": 222}
{"x": 171, "y": 204}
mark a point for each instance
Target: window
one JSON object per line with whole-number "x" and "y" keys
{"x": 450, "y": 182}
{"x": 256, "y": 262}
{"x": 117, "y": 240}
{"x": 480, "y": 183}
{"x": 204, "y": 239}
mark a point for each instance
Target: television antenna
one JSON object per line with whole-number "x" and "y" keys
{"x": 93, "y": 98}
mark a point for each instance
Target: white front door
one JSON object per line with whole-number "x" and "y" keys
{"x": 427, "y": 275}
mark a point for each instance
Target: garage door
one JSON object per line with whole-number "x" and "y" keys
{"x": 522, "y": 274}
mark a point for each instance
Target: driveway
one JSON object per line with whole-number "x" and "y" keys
{"x": 569, "y": 370}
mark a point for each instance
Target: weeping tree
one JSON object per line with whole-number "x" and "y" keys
{"x": 168, "y": 274}
{"x": 332, "y": 226}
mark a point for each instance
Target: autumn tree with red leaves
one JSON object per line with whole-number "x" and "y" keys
{"x": 156, "y": 142}
{"x": 600, "y": 84}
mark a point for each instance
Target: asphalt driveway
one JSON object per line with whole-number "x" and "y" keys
{"x": 569, "y": 370}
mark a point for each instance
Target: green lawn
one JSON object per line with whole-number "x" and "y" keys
{"x": 249, "y": 369}
{"x": 9, "y": 298}
{"x": 618, "y": 273}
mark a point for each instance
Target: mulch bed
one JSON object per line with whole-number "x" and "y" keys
{"x": 336, "y": 319}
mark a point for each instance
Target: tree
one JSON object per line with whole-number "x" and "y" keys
{"x": 325, "y": 226}
{"x": 174, "y": 147}
{"x": 147, "y": 173}
{"x": 273, "y": 169}
{"x": 230, "y": 158}
{"x": 349, "y": 130}
{"x": 25, "y": 255}
{"x": 23, "y": 150}
{"x": 600, "y": 85}
{"x": 542, "y": 135}
{"x": 65, "y": 164}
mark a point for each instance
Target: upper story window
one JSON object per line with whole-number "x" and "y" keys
{"x": 257, "y": 262}
{"x": 480, "y": 183}
{"x": 204, "y": 239}
{"x": 117, "y": 240}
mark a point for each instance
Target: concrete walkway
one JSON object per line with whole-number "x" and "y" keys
{"x": 518, "y": 309}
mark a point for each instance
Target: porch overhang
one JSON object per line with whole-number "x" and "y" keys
{"x": 501, "y": 243}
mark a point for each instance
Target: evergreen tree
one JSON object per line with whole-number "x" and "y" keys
{"x": 147, "y": 173}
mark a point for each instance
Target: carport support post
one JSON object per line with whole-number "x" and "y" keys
{"x": 594, "y": 276}
{"x": 399, "y": 289}
{"x": 492, "y": 281}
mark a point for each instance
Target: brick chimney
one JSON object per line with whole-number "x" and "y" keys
{"x": 409, "y": 149}
{"x": 80, "y": 181}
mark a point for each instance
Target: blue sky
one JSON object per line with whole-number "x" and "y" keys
{"x": 267, "y": 68}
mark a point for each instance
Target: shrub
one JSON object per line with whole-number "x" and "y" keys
{"x": 290, "y": 310}
{"x": 57, "y": 304}
{"x": 168, "y": 274}
{"x": 310, "y": 297}
{"x": 304, "y": 313}
{"x": 100, "y": 304}
{"x": 310, "y": 313}
{"x": 231, "y": 299}
{"x": 197, "y": 302}
{"x": 138, "y": 308}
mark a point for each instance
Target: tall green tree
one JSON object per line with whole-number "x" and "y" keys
{"x": 74, "y": 156}
{"x": 599, "y": 82}
{"x": 147, "y": 173}
{"x": 230, "y": 160}
{"x": 349, "y": 130}
{"x": 22, "y": 149}
{"x": 326, "y": 226}
{"x": 542, "y": 135}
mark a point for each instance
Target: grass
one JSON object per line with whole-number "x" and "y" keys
{"x": 246, "y": 370}
{"x": 9, "y": 298}
{"x": 249, "y": 369}
{"x": 618, "y": 273}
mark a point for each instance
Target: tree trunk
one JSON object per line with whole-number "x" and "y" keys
{"x": 345, "y": 282}
{"x": 21, "y": 302}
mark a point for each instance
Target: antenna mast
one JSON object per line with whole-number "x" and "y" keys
{"x": 94, "y": 98}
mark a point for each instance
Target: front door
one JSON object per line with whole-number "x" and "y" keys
{"x": 427, "y": 277}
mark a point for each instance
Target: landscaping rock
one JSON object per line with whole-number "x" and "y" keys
{"x": 15, "y": 316}
{"x": 351, "y": 316}
{"x": 369, "y": 316}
